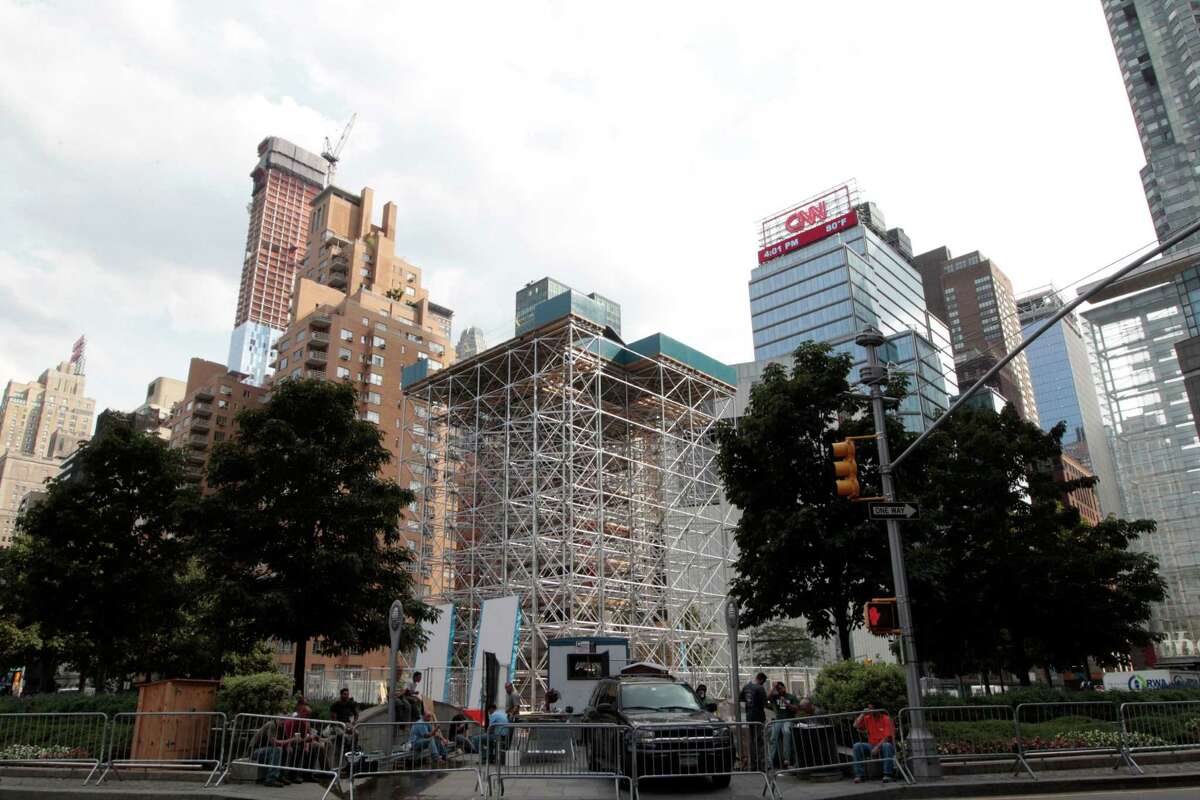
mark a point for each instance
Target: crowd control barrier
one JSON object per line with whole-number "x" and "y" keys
{"x": 53, "y": 740}
{"x": 278, "y": 747}
{"x": 166, "y": 740}
{"x": 717, "y": 750}
{"x": 557, "y": 751}
{"x": 1167, "y": 726}
{"x": 376, "y": 749}
{"x": 826, "y": 743}
{"x": 1066, "y": 729}
{"x": 965, "y": 734}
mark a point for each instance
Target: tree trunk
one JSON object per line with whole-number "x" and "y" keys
{"x": 301, "y": 647}
{"x": 986, "y": 678}
{"x": 843, "y": 632}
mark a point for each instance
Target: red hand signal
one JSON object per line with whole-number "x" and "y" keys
{"x": 873, "y": 615}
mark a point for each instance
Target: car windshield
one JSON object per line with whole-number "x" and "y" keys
{"x": 655, "y": 696}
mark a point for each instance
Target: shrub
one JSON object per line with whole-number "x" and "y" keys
{"x": 850, "y": 685}
{"x": 69, "y": 702}
{"x": 260, "y": 693}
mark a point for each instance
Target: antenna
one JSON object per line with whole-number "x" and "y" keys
{"x": 332, "y": 153}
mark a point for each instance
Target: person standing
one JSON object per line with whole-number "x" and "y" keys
{"x": 785, "y": 705}
{"x": 754, "y": 700}
{"x": 512, "y": 702}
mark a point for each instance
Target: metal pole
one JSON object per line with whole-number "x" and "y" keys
{"x": 395, "y": 623}
{"x": 735, "y": 680}
{"x": 1047, "y": 325}
{"x": 925, "y": 763}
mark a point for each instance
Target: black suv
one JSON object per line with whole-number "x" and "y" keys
{"x": 674, "y": 735}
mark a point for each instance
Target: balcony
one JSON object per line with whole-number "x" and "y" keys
{"x": 194, "y": 457}
{"x": 315, "y": 358}
{"x": 318, "y": 340}
{"x": 339, "y": 264}
{"x": 321, "y": 321}
{"x": 198, "y": 442}
{"x": 200, "y": 425}
{"x": 205, "y": 394}
{"x": 337, "y": 281}
{"x": 201, "y": 410}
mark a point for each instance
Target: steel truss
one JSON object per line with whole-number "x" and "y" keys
{"x": 565, "y": 469}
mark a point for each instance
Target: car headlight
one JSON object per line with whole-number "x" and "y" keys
{"x": 644, "y": 735}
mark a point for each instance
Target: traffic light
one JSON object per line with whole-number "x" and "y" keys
{"x": 881, "y": 616}
{"x": 845, "y": 468}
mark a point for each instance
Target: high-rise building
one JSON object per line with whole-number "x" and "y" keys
{"x": 285, "y": 181}
{"x": 975, "y": 298}
{"x": 207, "y": 414}
{"x": 470, "y": 343}
{"x": 31, "y": 413}
{"x": 829, "y": 267}
{"x": 1086, "y": 501}
{"x": 1157, "y": 43}
{"x": 537, "y": 292}
{"x": 20, "y": 475}
{"x": 1155, "y": 446}
{"x": 1065, "y": 390}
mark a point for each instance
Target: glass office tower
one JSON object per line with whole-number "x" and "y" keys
{"x": 830, "y": 289}
{"x": 1155, "y": 446}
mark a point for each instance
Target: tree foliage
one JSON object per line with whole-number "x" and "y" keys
{"x": 850, "y": 685}
{"x": 95, "y": 565}
{"x": 803, "y": 551}
{"x": 780, "y": 644}
{"x": 1004, "y": 574}
{"x": 301, "y": 531}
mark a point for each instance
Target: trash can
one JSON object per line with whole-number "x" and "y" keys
{"x": 815, "y": 745}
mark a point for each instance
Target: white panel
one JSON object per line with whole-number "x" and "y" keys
{"x": 433, "y": 660}
{"x": 499, "y": 620}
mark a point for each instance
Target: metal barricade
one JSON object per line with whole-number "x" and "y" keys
{"x": 558, "y": 751}
{"x": 278, "y": 748}
{"x": 718, "y": 750}
{"x": 166, "y": 739}
{"x": 830, "y": 742}
{"x": 1160, "y": 726}
{"x": 964, "y": 734}
{"x": 1070, "y": 728}
{"x": 376, "y": 749}
{"x": 64, "y": 740}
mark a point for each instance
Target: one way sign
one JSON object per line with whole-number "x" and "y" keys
{"x": 886, "y": 511}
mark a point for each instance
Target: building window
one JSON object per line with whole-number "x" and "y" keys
{"x": 221, "y": 421}
{"x": 373, "y": 398}
{"x": 283, "y": 362}
{"x": 372, "y": 416}
{"x": 379, "y": 341}
{"x": 376, "y": 380}
{"x": 342, "y": 372}
{"x": 376, "y": 360}
{"x": 347, "y": 336}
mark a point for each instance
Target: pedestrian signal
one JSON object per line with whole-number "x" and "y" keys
{"x": 881, "y": 616}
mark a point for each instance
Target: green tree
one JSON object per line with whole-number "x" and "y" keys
{"x": 395, "y": 295}
{"x": 803, "y": 551}
{"x": 1005, "y": 574}
{"x": 780, "y": 644}
{"x": 95, "y": 565}
{"x": 850, "y": 685}
{"x": 301, "y": 532}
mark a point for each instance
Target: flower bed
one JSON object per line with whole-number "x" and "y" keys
{"x": 30, "y": 752}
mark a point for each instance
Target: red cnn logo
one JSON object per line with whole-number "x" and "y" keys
{"x": 803, "y": 219}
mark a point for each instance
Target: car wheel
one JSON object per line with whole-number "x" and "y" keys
{"x": 721, "y": 781}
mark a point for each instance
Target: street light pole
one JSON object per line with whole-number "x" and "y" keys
{"x": 735, "y": 686}
{"x": 925, "y": 763}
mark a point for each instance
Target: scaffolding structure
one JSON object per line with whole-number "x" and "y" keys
{"x": 578, "y": 474}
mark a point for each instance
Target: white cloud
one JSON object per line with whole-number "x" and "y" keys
{"x": 627, "y": 150}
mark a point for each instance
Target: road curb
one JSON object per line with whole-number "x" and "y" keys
{"x": 1010, "y": 788}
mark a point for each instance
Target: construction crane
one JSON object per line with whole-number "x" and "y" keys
{"x": 333, "y": 152}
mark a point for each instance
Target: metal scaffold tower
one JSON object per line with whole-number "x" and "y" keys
{"x": 578, "y": 474}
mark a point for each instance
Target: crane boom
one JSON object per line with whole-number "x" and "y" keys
{"x": 332, "y": 153}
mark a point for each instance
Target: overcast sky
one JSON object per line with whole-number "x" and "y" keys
{"x": 624, "y": 148}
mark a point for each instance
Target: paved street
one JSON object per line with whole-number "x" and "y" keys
{"x": 1183, "y": 793}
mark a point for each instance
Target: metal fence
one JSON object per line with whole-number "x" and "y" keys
{"x": 277, "y": 749}
{"x": 1159, "y": 727}
{"x": 166, "y": 739}
{"x": 964, "y": 734}
{"x": 65, "y": 740}
{"x": 717, "y": 750}
{"x": 829, "y": 743}
{"x": 377, "y": 749}
{"x": 1063, "y": 729}
{"x": 558, "y": 751}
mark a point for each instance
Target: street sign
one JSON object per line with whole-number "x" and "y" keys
{"x": 887, "y": 511}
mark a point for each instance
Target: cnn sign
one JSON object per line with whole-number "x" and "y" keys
{"x": 807, "y": 222}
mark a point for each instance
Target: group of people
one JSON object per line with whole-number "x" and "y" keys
{"x": 875, "y": 724}
{"x": 291, "y": 749}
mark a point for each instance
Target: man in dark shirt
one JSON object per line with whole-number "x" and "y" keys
{"x": 344, "y": 709}
{"x": 754, "y": 699}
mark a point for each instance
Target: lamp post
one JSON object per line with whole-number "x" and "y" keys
{"x": 395, "y": 623}
{"x": 735, "y": 681}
